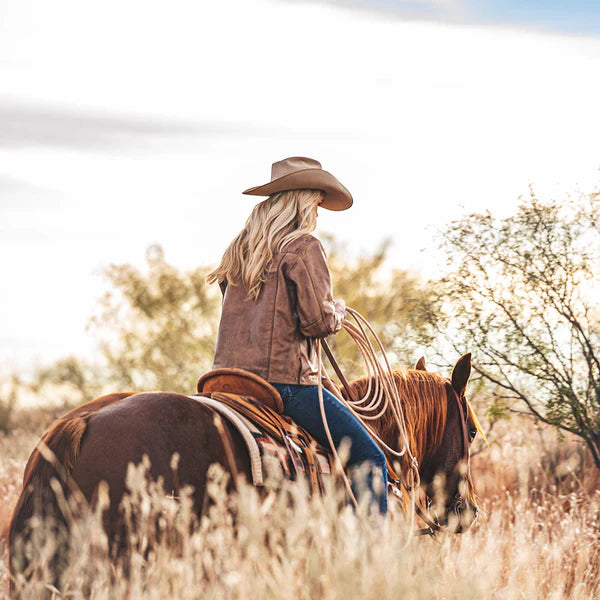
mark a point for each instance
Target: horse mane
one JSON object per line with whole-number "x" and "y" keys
{"x": 424, "y": 404}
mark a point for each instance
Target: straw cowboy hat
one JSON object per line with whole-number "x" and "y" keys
{"x": 301, "y": 173}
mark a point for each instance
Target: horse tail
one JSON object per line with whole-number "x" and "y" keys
{"x": 51, "y": 461}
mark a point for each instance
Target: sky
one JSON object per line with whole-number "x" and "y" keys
{"x": 128, "y": 124}
{"x": 576, "y": 16}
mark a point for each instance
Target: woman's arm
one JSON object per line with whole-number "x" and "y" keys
{"x": 318, "y": 314}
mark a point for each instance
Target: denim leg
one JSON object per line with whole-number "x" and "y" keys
{"x": 301, "y": 404}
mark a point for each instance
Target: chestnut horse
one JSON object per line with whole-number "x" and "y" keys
{"x": 96, "y": 441}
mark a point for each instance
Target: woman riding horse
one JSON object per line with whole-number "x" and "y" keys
{"x": 277, "y": 303}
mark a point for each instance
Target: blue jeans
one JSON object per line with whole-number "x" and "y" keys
{"x": 301, "y": 404}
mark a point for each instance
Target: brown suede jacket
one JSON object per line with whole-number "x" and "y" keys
{"x": 274, "y": 336}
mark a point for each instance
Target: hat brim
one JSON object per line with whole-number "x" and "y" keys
{"x": 337, "y": 197}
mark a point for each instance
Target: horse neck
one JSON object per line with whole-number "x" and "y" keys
{"x": 424, "y": 407}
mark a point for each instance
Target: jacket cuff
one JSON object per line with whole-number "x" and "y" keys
{"x": 327, "y": 324}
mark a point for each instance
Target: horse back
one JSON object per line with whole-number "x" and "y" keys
{"x": 157, "y": 425}
{"x": 98, "y": 440}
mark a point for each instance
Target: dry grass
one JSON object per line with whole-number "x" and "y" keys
{"x": 538, "y": 538}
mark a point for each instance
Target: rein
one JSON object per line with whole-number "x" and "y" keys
{"x": 337, "y": 370}
{"x": 385, "y": 396}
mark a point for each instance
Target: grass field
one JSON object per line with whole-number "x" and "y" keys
{"x": 538, "y": 535}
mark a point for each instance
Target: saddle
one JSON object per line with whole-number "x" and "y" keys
{"x": 256, "y": 400}
{"x": 243, "y": 383}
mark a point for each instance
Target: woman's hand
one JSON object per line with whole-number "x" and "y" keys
{"x": 340, "y": 306}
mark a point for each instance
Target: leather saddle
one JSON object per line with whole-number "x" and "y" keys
{"x": 257, "y": 400}
{"x": 243, "y": 383}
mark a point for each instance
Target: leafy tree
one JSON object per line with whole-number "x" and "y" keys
{"x": 522, "y": 295}
{"x": 8, "y": 401}
{"x": 157, "y": 330}
{"x": 69, "y": 380}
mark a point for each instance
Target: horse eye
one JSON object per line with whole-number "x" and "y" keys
{"x": 472, "y": 433}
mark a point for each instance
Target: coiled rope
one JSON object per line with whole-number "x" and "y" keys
{"x": 381, "y": 395}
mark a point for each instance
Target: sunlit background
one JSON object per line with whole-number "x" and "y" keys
{"x": 128, "y": 123}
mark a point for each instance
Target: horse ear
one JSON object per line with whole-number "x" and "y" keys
{"x": 461, "y": 373}
{"x": 420, "y": 366}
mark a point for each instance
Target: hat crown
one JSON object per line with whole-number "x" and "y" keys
{"x": 291, "y": 165}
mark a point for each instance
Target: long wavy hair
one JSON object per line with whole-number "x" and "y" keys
{"x": 273, "y": 223}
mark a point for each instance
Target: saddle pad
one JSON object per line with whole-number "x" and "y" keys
{"x": 246, "y": 428}
{"x": 293, "y": 459}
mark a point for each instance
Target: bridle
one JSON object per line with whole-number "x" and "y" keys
{"x": 463, "y": 421}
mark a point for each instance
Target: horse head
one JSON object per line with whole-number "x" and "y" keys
{"x": 445, "y": 469}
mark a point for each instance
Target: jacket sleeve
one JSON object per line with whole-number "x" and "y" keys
{"x": 317, "y": 313}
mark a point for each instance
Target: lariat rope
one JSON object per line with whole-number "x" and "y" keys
{"x": 381, "y": 395}
{"x": 338, "y": 462}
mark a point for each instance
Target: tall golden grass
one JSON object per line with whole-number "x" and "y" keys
{"x": 538, "y": 536}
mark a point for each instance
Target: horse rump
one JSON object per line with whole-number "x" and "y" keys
{"x": 39, "y": 529}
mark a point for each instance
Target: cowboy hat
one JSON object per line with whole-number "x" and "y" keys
{"x": 301, "y": 173}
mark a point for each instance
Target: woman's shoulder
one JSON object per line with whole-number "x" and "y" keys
{"x": 302, "y": 244}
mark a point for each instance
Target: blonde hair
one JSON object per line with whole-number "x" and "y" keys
{"x": 273, "y": 223}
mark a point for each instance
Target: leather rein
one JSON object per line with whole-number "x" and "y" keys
{"x": 432, "y": 523}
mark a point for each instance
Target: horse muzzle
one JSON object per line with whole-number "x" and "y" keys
{"x": 460, "y": 515}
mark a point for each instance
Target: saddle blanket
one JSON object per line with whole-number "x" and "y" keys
{"x": 294, "y": 456}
